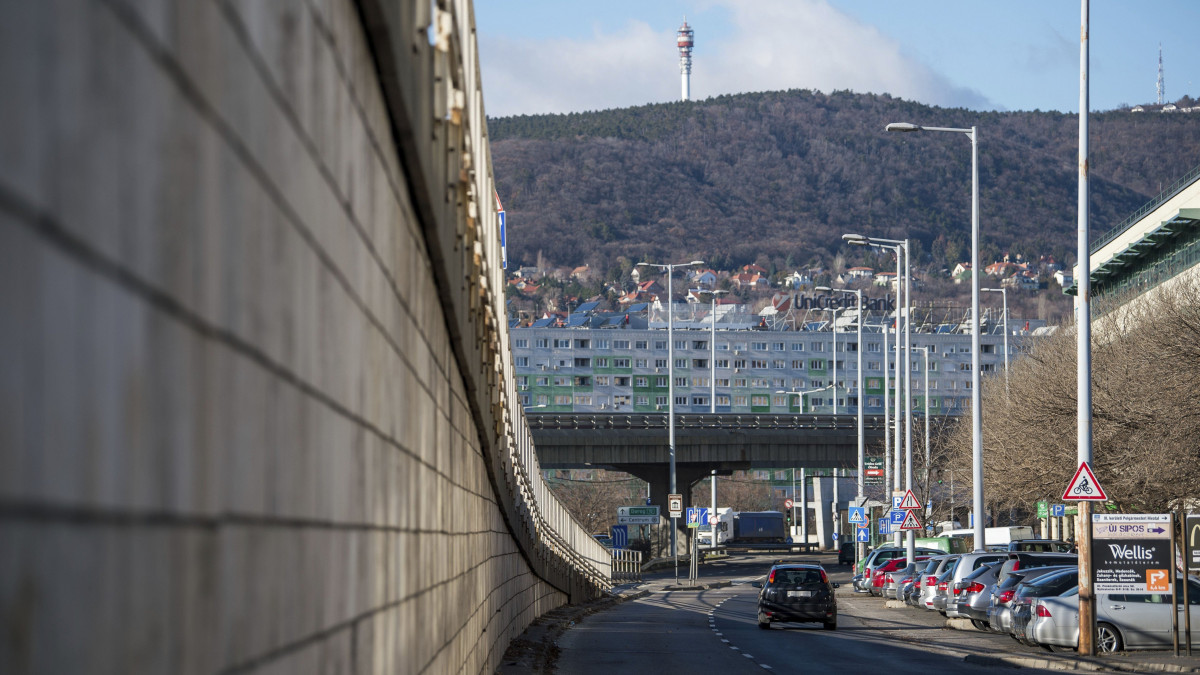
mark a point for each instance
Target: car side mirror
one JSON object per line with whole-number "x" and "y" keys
{"x": 756, "y": 584}
{"x": 836, "y": 585}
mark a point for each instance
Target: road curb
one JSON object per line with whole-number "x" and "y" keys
{"x": 699, "y": 587}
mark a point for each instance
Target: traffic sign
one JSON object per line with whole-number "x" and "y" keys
{"x": 1191, "y": 541}
{"x": 909, "y": 501}
{"x": 712, "y": 519}
{"x": 637, "y": 511}
{"x": 910, "y": 521}
{"x": 835, "y": 536}
{"x": 862, "y": 535}
{"x": 1041, "y": 509}
{"x": 885, "y": 526}
{"x": 696, "y": 515}
{"x": 1084, "y": 486}
{"x": 620, "y": 536}
{"x": 896, "y": 499}
{"x": 865, "y": 523}
{"x": 858, "y": 515}
{"x": 637, "y": 520}
{"x": 787, "y": 503}
{"x": 1058, "y": 510}
{"x": 896, "y": 516}
{"x": 675, "y": 505}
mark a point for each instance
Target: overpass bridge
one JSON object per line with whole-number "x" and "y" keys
{"x": 256, "y": 400}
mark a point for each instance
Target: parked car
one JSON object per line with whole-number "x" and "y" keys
{"x": 930, "y": 579}
{"x": 976, "y": 592}
{"x": 1040, "y": 545}
{"x": 882, "y": 555}
{"x": 940, "y": 588}
{"x": 797, "y": 592}
{"x": 1047, "y": 585}
{"x": 968, "y": 563}
{"x": 1023, "y": 560}
{"x": 894, "y": 579}
{"x": 878, "y": 577}
{"x": 1123, "y": 620}
{"x": 999, "y": 605}
{"x": 846, "y": 553}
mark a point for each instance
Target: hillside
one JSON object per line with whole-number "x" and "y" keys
{"x": 778, "y": 177}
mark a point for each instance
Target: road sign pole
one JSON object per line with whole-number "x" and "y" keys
{"x": 712, "y": 531}
{"x": 1087, "y": 607}
{"x": 1175, "y": 587}
{"x": 1187, "y": 566}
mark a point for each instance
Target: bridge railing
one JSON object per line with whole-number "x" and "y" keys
{"x": 626, "y": 564}
{"x": 621, "y": 421}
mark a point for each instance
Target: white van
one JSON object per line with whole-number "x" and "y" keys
{"x": 993, "y": 536}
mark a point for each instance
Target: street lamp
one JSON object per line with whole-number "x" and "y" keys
{"x": 976, "y": 400}
{"x": 832, "y": 323}
{"x": 1003, "y": 294}
{"x": 670, "y": 270}
{"x": 900, "y": 246}
{"x": 712, "y": 344}
{"x": 801, "y": 394}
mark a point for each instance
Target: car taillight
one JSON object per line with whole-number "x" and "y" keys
{"x": 889, "y": 579}
{"x": 771, "y": 579}
{"x": 1042, "y": 611}
{"x": 824, "y": 579}
{"x": 1005, "y": 596}
{"x": 929, "y": 581}
{"x": 974, "y": 588}
{"x": 942, "y": 586}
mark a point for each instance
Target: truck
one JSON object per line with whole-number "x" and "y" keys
{"x": 993, "y": 536}
{"x": 758, "y": 527}
{"x": 724, "y": 528}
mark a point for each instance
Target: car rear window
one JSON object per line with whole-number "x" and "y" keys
{"x": 796, "y": 577}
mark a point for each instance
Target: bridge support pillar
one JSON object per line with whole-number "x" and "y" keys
{"x": 824, "y": 513}
{"x": 659, "y": 478}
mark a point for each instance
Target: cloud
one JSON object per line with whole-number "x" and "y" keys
{"x": 768, "y": 45}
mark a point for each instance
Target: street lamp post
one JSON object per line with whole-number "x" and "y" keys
{"x": 670, "y": 270}
{"x": 903, "y": 356}
{"x": 1003, "y": 294}
{"x": 976, "y": 399}
{"x": 712, "y": 345}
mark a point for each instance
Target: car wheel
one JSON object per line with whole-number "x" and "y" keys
{"x": 763, "y": 622}
{"x": 980, "y": 625}
{"x": 1108, "y": 638}
{"x": 830, "y": 625}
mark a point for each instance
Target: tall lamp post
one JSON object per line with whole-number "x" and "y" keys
{"x": 860, "y": 483}
{"x": 976, "y": 399}
{"x": 1003, "y": 294}
{"x": 712, "y": 347}
{"x": 670, "y": 270}
{"x": 903, "y": 355}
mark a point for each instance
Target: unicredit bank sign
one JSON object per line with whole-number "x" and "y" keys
{"x": 844, "y": 301}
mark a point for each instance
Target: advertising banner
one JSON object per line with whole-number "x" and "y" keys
{"x": 1131, "y": 552}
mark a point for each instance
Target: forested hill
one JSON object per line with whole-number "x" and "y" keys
{"x": 779, "y": 176}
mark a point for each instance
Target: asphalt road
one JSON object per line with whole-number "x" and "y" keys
{"x": 695, "y": 631}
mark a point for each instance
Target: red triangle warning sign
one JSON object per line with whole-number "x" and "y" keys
{"x": 1084, "y": 486}
{"x": 910, "y": 521}
{"x": 910, "y": 501}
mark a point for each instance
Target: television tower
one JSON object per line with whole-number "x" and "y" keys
{"x": 684, "y": 42}
{"x": 1160, "y": 74}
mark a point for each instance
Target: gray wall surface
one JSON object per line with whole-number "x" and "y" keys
{"x": 237, "y": 430}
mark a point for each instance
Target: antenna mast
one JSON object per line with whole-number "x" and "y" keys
{"x": 684, "y": 41}
{"x": 1160, "y": 75}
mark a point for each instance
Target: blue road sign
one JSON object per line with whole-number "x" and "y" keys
{"x": 620, "y": 536}
{"x": 885, "y": 526}
{"x": 697, "y": 515}
{"x": 896, "y": 516}
{"x": 857, "y": 515}
{"x": 1058, "y": 510}
{"x": 896, "y": 501}
{"x": 863, "y": 535}
{"x": 647, "y": 501}
{"x": 835, "y": 536}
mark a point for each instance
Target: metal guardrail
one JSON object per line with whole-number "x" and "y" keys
{"x": 626, "y": 565}
{"x": 618, "y": 421}
{"x": 1149, "y": 206}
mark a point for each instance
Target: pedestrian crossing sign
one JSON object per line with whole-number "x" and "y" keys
{"x": 857, "y": 515}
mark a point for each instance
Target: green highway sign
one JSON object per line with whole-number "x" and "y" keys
{"x": 1042, "y": 511}
{"x": 637, "y": 511}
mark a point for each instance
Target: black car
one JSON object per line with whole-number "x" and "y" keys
{"x": 797, "y": 592}
{"x": 846, "y": 553}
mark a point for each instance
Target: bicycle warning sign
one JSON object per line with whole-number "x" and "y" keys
{"x": 1084, "y": 486}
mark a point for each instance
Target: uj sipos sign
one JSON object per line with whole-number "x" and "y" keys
{"x": 1131, "y": 552}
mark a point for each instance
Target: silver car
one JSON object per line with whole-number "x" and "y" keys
{"x": 965, "y": 567}
{"x": 894, "y": 581}
{"x": 930, "y": 580}
{"x": 999, "y": 611}
{"x": 976, "y": 592}
{"x": 1123, "y": 620}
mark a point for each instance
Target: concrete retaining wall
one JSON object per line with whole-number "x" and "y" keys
{"x": 240, "y": 428}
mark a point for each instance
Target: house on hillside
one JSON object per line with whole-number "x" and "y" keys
{"x": 1002, "y": 269}
{"x": 751, "y": 281}
{"x": 1024, "y": 281}
{"x": 754, "y": 269}
{"x": 1064, "y": 278}
{"x": 859, "y": 273}
{"x": 583, "y": 273}
{"x": 962, "y": 272}
{"x": 885, "y": 279}
{"x": 797, "y": 281}
{"x": 702, "y": 277}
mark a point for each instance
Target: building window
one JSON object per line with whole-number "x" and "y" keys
{"x": 758, "y": 363}
{"x": 723, "y": 399}
{"x": 740, "y": 400}
{"x": 620, "y": 344}
{"x": 699, "y": 344}
{"x": 873, "y": 348}
{"x": 641, "y": 382}
{"x": 699, "y": 381}
{"x": 760, "y": 400}
{"x": 933, "y": 403}
{"x": 639, "y": 344}
{"x": 602, "y": 362}
{"x": 562, "y": 399}
{"x": 639, "y": 363}
{"x": 699, "y": 363}
{"x": 543, "y": 381}
{"x": 660, "y": 381}
{"x": 681, "y": 363}
{"x": 522, "y": 361}
{"x": 562, "y": 344}
{"x": 620, "y": 400}
{"x": 602, "y": 380}
{"x": 641, "y": 400}
{"x": 525, "y": 399}
{"x": 583, "y": 363}
{"x": 758, "y": 346}
{"x": 660, "y": 363}
{"x": 621, "y": 381}
{"x": 739, "y": 382}
{"x": 779, "y": 364}
{"x": 583, "y": 399}
{"x": 722, "y": 363}
{"x": 780, "y": 401}
{"x": 583, "y": 381}
{"x": 583, "y": 344}
{"x": 777, "y": 346}
{"x": 681, "y": 344}
{"x": 722, "y": 381}
{"x": 818, "y": 346}
{"x": 660, "y": 400}
{"x": 700, "y": 400}
{"x": 874, "y": 402}
{"x": 965, "y": 367}
{"x": 681, "y": 382}
{"x": 723, "y": 347}
{"x": 561, "y": 381}
{"x": 543, "y": 399}
{"x": 739, "y": 346}
{"x": 681, "y": 400}
{"x": 660, "y": 345}
{"x": 987, "y": 367}
{"x": 816, "y": 364}
{"x": 542, "y": 343}
{"x": 797, "y": 383}
{"x": 620, "y": 363}
{"x": 521, "y": 343}
{"x": 602, "y": 344}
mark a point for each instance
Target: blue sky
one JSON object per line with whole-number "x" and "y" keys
{"x": 555, "y": 56}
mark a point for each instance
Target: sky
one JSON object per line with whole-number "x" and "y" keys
{"x": 558, "y": 56}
